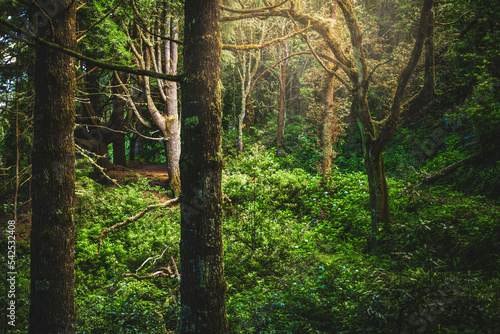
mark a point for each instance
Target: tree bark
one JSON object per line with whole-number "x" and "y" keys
{"x": 375, "y": 134}
{"x": 117, "y": 122}
{"x": 282, "y": 108}
{"x": 52, "y": 308}
{"x": 133, "y": 145}
{"x": 282, "y": 97}
{"x": 327, "y": 124}
{"x": 203, "y": 286}
{"x": 241, "y": 116}
{"x": 379, "y": 192}
{"x": 173, "y": 145}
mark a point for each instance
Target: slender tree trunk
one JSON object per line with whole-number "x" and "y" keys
{"x": 203, "y": 286}
{"x": 241, "y": 117}
{"x": 52, "y": 308}
{"x": 173, "y": 145}
{"x": 281, "y": 111}
{"x": 282, "y": 98}
{"x": 327, "y": 125}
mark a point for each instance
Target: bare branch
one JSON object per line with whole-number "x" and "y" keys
{"x": 156, "y": 257}
{"x": 146, "y": 137}
{"x": 115, "y": 67}
{"x": 451, "y": 23}
{"x": 248, "y": 47}
{"x": 293, "y": 55}
{"x": 252, "y": 11}
{"x": 131, "y": 103}
{"x": 101, "y": 169}
{"x": 150, "y": 276}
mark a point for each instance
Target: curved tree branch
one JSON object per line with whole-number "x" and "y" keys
{"x": 133, "y": 219}
{"x": 115, "y": 67}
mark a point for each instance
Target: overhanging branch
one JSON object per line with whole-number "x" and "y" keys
{"x": 114, "y": 67}
{"x": 248, "y": 47}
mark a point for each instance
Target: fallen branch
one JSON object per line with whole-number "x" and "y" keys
{"x": 156, "y": 257}
{"x": 133, "y": 219}
{"x": 446, "y": 171}
{"x": 153, "y": 275}
{"x": 159, "y": 273}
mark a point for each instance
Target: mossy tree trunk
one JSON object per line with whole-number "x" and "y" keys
{"x": 203, "y": 286}
{"x": 327, "y": 124}
{"x": 52, "y": 308}
{"x": 379, "y": 192}
{"x": 376, "y": 133}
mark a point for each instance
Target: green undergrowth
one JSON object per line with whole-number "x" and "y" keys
{"x": 108, "y": 302}
{"x": 296, "y": 257}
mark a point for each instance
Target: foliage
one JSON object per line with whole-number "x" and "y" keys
{"x": 295, "y": 261}
{"x": 106, "y": 301}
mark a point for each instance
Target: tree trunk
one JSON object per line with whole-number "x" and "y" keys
{"x": 281, "y": 111}
{"x": 241, "y": 117}
{"x": 52, "y": 308}
{"x": 140, "y": 146}
{"x": 203, "y": 286}
{"x": 133, "y": 145}
{"x": 116, "y": 122}
{"x": 282, "y": 97}
{"x": 119, "y": 151}
{"x": 119, "y": 155}
{"x": 173, "y": 145}
{"x": 327, "y": 125}
{"x": 379, "y": 193}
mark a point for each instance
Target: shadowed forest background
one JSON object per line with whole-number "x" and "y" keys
{"x": 333, "y": 166}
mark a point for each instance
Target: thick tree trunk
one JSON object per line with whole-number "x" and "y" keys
{"x": 327, "y": 125}
{"x": 379, "y": 193}
{"x": 203, "y": 287}
{"x": 52, "y": 308}
{"x": 119, "y": 151}
{"x": 116, "y": 122}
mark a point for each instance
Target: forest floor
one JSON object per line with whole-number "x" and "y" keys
{"x": 156, "y": 173}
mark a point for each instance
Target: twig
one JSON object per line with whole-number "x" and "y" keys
{"x": 101, "y": 169}
{"x": 146, "y": 137}
{"x": 156, "y": 257}
{"x": 175, "y": 268}
{"x": 133, "y": 219}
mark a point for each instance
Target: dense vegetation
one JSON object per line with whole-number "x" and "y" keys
{"x": 295, "y": 256}
{"x": 297, "y": 239}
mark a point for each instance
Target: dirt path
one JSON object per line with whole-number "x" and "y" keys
{"x": 156, "y": 173}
